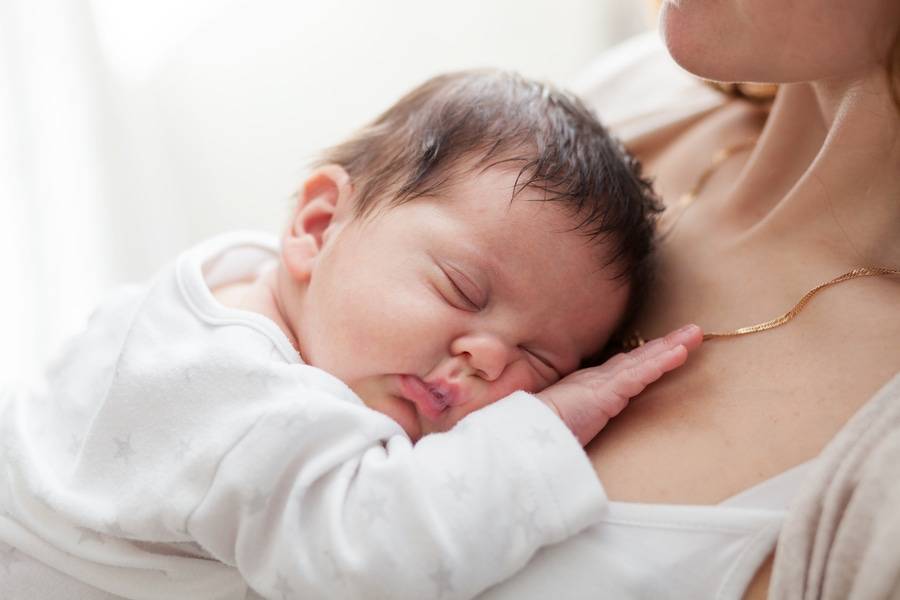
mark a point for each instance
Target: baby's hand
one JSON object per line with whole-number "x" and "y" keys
{"x": 587, "y": 399}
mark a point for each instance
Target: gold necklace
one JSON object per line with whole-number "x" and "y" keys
{"x": 635, "y": 339}
{"x": 687, "y": 198}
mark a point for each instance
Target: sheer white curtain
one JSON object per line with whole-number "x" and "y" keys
{"x": 130, "y": 129}
{"x": 55, "y": 139}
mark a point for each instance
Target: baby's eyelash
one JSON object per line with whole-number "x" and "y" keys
{"x": 462, "y": 294}
{"x": 543, "y": 361}
{"x": 457, "y": 289}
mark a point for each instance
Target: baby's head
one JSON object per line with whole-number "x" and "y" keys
{"x": 484, "y": 235}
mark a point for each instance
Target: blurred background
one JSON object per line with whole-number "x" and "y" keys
{"x": 131, "y": 129}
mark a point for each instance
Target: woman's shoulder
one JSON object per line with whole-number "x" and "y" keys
{"x": 636, "y": 88}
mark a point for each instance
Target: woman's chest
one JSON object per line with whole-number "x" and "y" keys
{"x": 740, "y": 412}
{"x": 746, "y": 408}
{"x": 743, "y": 408}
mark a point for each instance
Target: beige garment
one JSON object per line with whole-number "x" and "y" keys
{"x": 841, "y": 538}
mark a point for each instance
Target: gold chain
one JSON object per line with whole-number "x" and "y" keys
{"x": 634, "y": 339}
{"x": 778, "y": 322}
{"x": 687, "y": 198}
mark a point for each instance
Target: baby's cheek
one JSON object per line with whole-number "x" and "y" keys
{"x": 517, "y": 377}
{"x": 382, "y": 337}
{"x": 524, "y": 377}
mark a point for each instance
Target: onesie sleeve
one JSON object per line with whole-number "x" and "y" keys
{"x": 326, "y": 498}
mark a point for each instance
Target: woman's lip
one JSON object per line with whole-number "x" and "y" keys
{"x": 415, "y": 390}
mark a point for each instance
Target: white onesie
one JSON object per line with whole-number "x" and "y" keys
{"x": 181, "y": 449}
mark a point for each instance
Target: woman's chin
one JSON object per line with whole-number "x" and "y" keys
{"x": 695, "y": 42}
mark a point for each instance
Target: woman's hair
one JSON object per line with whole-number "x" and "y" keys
{"x": 472, "y": 121}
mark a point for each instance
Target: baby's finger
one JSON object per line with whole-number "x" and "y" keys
{"x": 631, "y": 381}
{"x": 689, "y": 336}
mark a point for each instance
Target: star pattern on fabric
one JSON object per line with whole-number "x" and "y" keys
{"x": 283, "y": 587}
{"x": 257, "y": 502}
{"x": 525, "y": 519}
{"x": 527, "y": 524}
{"x": 8, "y": 556}
{"x": 442, "y": 580}
{"x": 123, "y": 448}
{"x": 496, "y": 523}
{"x": 541, "y": 436}
{"x": 457, "y": 486}
{"x": 89, "y": 535}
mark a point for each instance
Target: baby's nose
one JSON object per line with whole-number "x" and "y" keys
{"x": 485, "y": 354}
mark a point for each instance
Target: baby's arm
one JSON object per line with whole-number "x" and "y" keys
{"x": 311, "y": 496}
{"x": 343, "y": 505}
{"x": 336, "y": 511}
{"x": 587, "y": 399}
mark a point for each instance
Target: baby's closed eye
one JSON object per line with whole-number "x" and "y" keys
{"x": 542, "y": 364}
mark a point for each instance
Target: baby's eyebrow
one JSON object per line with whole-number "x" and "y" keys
{"x": 482, "y": 259}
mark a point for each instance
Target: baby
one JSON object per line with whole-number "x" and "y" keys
{"x": 256, "y": 420}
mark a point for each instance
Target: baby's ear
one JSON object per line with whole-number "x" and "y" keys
{"x": 323, "y": 201}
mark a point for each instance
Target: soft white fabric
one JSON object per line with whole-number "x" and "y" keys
{"x": 652, "y": 551}
{"x": 180, "y": 449}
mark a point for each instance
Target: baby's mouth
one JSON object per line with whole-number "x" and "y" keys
{"x": 431, "y": 400}
{"x": 440, "y": 395}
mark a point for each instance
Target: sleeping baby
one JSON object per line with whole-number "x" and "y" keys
{"x": 387, "y": 402}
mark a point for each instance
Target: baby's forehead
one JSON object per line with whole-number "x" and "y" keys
{"x": 499, "y": 209}
{"x": 531, "y": 254}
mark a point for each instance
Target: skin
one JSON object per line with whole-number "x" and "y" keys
{"x": 817, "y": 197}
{"x": 442, "y": 305}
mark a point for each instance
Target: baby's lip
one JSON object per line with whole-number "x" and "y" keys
{"x": 431, "y": 399}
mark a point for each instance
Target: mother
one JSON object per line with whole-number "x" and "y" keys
{"x": 703, "y": 466}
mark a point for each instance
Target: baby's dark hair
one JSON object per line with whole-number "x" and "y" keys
{"x": 488, "y": 118}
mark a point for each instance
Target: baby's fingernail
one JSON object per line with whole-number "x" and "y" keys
{"x": 687, "y": 328}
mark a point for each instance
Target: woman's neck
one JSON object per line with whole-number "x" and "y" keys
{"x": 826, "y": 170}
